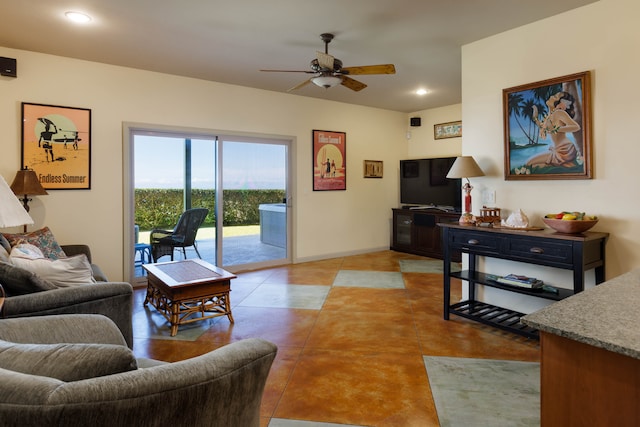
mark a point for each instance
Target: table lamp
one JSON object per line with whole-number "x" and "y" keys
{"x": 26, "y": 183}
{"x": 12, "y": 213}
{"x": 465, "y": 167}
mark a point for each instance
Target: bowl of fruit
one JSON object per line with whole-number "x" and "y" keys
{"x": 570, "y": 222}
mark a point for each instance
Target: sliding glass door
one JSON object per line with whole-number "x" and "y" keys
{"x": 254, "y": 177}
{"x": 242, "y": 181}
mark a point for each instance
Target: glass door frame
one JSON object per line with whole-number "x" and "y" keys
{"x": 132, "y": 129}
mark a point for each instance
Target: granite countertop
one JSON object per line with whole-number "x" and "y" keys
{"x": 605, "y": 316}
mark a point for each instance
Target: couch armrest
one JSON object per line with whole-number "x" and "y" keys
{"x": 67, "y": 328}
{"x": 111, "y": 299}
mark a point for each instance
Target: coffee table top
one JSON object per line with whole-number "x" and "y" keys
{"x": 188, "y": 271}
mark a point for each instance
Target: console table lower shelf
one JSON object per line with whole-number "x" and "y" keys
{"x": 493, "y": 315}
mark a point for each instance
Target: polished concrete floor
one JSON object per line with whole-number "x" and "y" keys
{"x": 352, "y": 334}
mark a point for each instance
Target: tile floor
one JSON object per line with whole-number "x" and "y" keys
{"x": 352, "y": 333}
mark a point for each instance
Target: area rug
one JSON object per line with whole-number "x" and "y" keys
{"x": 484, "y": 392}
{"x": 425, "y": 266}
{"x": 369, "y": 279}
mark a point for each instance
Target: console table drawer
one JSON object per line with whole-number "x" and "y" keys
{"x": 536, "y": 249}
{"x": 478, "y": 243}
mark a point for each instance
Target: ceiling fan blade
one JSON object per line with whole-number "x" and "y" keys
{"x": 325, "y": 60}
{"x": 288, "y": 71}
{"x": 299, "y": 85}
{"x": 352, "y": 84}
{"x": 370, "y": 69}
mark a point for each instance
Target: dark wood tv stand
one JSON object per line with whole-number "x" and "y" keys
{"x": 575, "y": 252}
{"x": 416, "y": 231}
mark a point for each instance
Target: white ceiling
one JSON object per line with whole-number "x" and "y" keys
{"x": 230, "y": 41}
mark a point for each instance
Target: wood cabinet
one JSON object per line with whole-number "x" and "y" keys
{"x": 590, "y": 356}
{"x": 576, "y": 252}
{"x": 584, "y": 385}
{"x": 416, "y": 231}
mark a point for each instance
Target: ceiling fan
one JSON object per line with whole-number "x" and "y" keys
{"x": 329, "y": 71}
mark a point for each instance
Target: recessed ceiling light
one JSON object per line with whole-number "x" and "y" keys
{"x": 78, "y": 17}
{"x": 422, "y": 92}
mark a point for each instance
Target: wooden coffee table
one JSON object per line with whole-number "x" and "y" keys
{"x": 188, "y": 291}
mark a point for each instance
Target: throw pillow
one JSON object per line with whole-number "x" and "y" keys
{"x": 43, "y": 239}
{"x": 67, "y": 362}
{"x": 18, "y": 281}
{"x": 26, "y": 250}
{"x": 63, "y": 272}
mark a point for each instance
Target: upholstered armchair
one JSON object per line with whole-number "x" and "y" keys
{"x": 94, "y": 379}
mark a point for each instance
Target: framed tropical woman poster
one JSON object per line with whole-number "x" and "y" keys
{"x": 547, "y": 129}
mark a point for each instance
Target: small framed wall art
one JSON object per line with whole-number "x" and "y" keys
{"x": 56, "y": 144}
{"x": 373, "y": 168}
{"x": 329, "y": 160}
{"x": 447, "y": 130}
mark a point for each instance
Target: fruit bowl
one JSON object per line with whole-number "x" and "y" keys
{"x": 570, "y": 226}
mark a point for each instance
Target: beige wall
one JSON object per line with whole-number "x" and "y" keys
{"x": 603, "y": 38}
{"x": 326, "y": 223}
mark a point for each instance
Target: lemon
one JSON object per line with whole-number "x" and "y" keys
{"x": 568, "y": 217}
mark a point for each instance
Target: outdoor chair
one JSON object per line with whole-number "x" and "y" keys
{"x": 163, "y": 242}
{"x": 142, "y": 251}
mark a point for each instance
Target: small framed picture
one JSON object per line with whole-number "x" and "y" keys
{"x": 56, "y": 144}
{"x": 447, "y": 130}
{"x": 373, "y": 168}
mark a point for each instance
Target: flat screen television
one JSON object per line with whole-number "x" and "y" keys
{"x": 424, "y": 183}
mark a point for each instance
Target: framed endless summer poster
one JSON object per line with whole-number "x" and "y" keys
{"x": 56, "y": 144}
{"x": 547, "y": 129}
{"x": 329, "y": 160}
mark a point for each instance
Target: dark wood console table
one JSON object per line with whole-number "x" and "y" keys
{"x": 576, "y": 252}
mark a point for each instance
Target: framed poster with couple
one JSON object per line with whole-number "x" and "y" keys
{"x": 329, "y": 160}
{"x": 547, "y": 129}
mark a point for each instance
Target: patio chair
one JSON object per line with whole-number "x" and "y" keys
{"x": 141, "y": 249}
{"x": 163, "y": 242}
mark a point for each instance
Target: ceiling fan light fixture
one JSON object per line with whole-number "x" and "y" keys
{"x": 326, "y": 81}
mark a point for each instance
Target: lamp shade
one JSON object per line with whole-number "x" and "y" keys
{"x": 12, "y": 213}
{"x": 26, "y": 182}
{"x": 464, "y": 167}
{"x": 326, "y": 81}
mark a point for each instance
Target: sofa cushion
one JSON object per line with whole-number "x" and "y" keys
{"x": 18, "y": 281}
{"x": 66, "y": 362}
{"x": 63, "y": 272}
{"x": 43, "y": 239}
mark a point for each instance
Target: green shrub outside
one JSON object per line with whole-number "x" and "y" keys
{"x": 161, "y": 208}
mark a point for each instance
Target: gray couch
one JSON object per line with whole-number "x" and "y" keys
{"x": 112, "y": 299}
{"x": 220, "y": 388}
